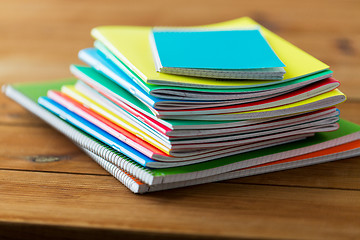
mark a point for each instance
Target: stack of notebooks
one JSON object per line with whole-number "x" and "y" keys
{"x": 162, "y": 108}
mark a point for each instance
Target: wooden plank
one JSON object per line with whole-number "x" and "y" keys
{"x": 334, "y": 14}
{"x": 223, "y": 210}
{"x": 42, "y": 149}
{"x": 12, "y": 113}
{"x": 41, "y": 231}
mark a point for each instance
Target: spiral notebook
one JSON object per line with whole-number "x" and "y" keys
{"x": 322, "y": 147}
{"x": 229, "y": 54}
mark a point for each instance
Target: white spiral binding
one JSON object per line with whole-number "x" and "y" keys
{"x": 118, "y": 174}
{"x": 81, "y": 139}
{"x": 225, "y": 75}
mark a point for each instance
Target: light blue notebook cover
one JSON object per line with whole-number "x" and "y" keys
{"x": 227, "y": 50}
{"x": 94, "y": 131}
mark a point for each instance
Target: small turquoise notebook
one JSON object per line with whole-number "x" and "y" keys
{"x": 222, "y": 54}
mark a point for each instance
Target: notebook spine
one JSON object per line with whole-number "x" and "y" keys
{"x": 256, "y": 171}
{"x": 225, "y": 74}
{"x": 119, "y": 174}
{"x": 81, "y": 139}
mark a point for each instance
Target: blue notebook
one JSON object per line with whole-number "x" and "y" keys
{"x": 240, "y": 54}
{"x": 94, "y": 131}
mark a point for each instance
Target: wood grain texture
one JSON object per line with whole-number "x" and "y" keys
{"x": 218, "y": 209}
{"x": 50, "y": 189}
{"x": 42, "y": 149}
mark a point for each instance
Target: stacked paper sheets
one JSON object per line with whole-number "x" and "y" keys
{"x": 154, "y": 130}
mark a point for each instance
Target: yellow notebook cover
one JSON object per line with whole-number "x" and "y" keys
{"x": 324, "y": 100}
{"x": 70, "y": 91}
{"x": 131, "y": 45}
{"x": 327, "y": 95}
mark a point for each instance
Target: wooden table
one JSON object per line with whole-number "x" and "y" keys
{"x": 50, "y": 189}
